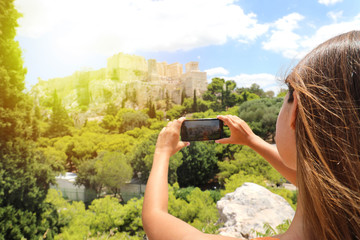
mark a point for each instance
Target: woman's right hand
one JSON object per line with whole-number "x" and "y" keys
{"x": 241, "y": 133}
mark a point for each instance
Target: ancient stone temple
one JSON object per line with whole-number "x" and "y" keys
{"x": 127, "y": 80}
{"x": 131, "y": 68}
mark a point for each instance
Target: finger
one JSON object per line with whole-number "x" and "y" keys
{"x": 169, "y": 124}
{"x": 225, "y": 119}
{"x": 180, "y": 121}
{"x": 235, "y": 118}
{"x": 177, "y": 123}
{"x": 163, "y": 130}
{"x": 223, "y": 140}
{"x": 229, "y": 121}
{"x": 221, "y": 117}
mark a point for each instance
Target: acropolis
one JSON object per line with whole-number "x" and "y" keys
{"x": 126, "y": 75}
{"x": 171, "y": 77}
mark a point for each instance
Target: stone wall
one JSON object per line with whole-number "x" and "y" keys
{"x": 194, "y": 81}
{"x": 149, "y": 78}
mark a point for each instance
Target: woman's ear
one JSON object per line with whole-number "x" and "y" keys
{"x": 294, "y": 109}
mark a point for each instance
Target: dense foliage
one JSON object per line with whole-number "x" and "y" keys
{"x": 25, "y": 173}
{"x": 199, "y": 165}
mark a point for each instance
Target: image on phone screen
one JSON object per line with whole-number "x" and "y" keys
{"x": 202, "y": 129}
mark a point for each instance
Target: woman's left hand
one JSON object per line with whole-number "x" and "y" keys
{"x": 168, "y": 141}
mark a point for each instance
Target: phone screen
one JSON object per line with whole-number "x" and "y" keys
{"x": 202, "y": 129}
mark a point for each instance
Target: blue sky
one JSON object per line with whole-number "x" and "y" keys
{"x": 249, "y": 41}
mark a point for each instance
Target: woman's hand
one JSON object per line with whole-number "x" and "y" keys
{"x": 241, "y": 133}
{"x": 168, "y": 141}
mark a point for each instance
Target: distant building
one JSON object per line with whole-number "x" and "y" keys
{"x": 132, "y": 189}
{"x": 130, "y": 68}
{"x": 66, "y": 184}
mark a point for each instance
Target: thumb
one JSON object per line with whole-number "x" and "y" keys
{"x": 223, "y": 140}
{"x": 182, "y": 145}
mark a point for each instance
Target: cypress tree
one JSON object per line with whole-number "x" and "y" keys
{"x": 167, "y": 101}
{"x": 183, "y": 96}
{"x": 194, "y": 106}
{"x": 59, "y": 120}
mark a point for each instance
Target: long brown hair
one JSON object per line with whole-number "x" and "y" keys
{"x": 327, "y": 86}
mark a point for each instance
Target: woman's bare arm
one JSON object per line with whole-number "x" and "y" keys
{"x": 242, "y": 134}
{"x": 157, "y": 222}
{"x": 271, "y": 154}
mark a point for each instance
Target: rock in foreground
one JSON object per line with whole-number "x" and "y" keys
{"x": 248, "y": 208}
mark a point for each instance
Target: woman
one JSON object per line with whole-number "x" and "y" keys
{"x": 318, "y": 149}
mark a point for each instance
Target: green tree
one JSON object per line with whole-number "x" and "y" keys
{"x": 60, "y": 121}
{"x": 37, "y": 113}
{"x": 113, "y": 170}
{"x": 111, "y": 109}
{"x": 214, "y": 93}
{"x": 255, "y": 88}
{"x": 133, "y": 96}
{"x": 24, "y": 176}
{"x": 109, "y": 122}
{"x": 105, "y": 218}
{"x": 183, "y": 96}
{"x": 25, "y": 179}
{"x": 36, "y": 132}
{"x": 196, "y": 207}
{"x": 82, "y": 89}
{"x": 282, "y": 93}
{"x": 221, "y": 93}
{"x": 142, "y": 156}
{"x": 248, "y": 162}
{"x": 12, "y": 99}
{"x": 199, "y": 164}
{"x": 129, "y": 120}
{"x": 194, "y": 105}
{"x": 261, "y": 115}
{"x": 87, "y": 176}
{"x": 167, "y": 101}
{"x": 152, "y": 109}
{"x": 269, "y": 94}
{"x": 175, "y": 112}
{"x": 228, "y": 95}
{"x": 110, "y": 170}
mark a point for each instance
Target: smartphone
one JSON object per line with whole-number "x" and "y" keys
{"x": 204, "y": 129}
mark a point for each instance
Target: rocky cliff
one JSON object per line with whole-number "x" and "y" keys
{"x": 246, "y": 210}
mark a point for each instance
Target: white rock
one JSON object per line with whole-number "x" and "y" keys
{"x": 248, "y": 208}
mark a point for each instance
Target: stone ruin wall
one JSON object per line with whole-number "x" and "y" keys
{"x": 149, "y": 78}
{"x": 159, "y": 75}
{"x": 126, "y": 61}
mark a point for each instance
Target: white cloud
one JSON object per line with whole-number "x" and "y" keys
{"x": 218, "y": 71}
{"x": 335, "y": 15}
{"x": 108, "y": 26}
{"x": 285, "y": 40}
{"x": 266, "y": 81}
{"x": 329, "y": 2}
{"x": 326, "y": 32}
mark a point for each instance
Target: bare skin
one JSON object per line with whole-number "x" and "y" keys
{"x": 160, "y": 225}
